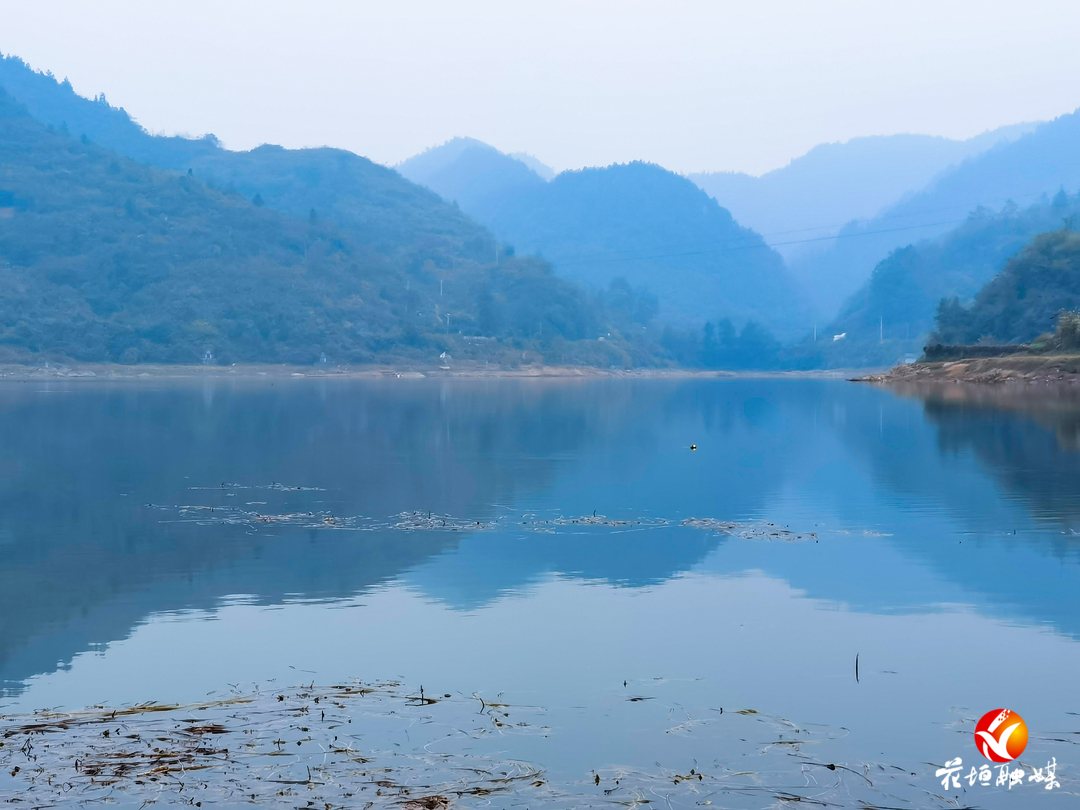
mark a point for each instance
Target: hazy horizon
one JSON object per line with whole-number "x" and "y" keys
{"x": 696, "y": 88}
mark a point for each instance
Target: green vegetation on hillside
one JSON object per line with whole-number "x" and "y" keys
{"x": 375, "y": 205}
{"x": 1024, "y": 300}
{"x": 292, "y": 255}
{"x": 893, "y": 313}
{"x": 636, "y": 221}
{"x": 1036, "y": 163}
{"x": 106, "y": 259}
{"x": 657, "y": 230}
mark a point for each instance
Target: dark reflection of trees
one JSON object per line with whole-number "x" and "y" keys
{"x": 84, "y": 559}
{"x": 1022, "y": 438}
{"x": 1023, "y": 455}
{"x": 1055, "y": 408}
{"x": 993, "y": 494}
{"x": 1026, "y": 437}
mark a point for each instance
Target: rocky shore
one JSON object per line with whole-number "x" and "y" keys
{"x": 1026, "y": 369}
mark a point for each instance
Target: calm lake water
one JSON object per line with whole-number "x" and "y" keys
{"x": 424, "y": 531}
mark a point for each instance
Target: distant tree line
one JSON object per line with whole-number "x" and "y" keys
{"x": 720, "y": 345}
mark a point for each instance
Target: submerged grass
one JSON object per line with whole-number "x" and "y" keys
{"x": 375, "y": 745}
{"x": 427, "y": 521}
{"x": 307, "y": 747}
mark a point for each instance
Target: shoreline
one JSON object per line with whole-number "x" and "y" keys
{"x": 254, "y": 371}
{"x": 1028, "y": 370}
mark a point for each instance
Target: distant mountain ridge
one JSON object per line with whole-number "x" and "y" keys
{"x": 834, "y": 183}
{"x": 636, "y": 221}
{"x": 477, "y": 177}
{"x": 1037, "y": 163}
{"x": 271, "y": 255}
{"x": 656, "y": 229}
{"x": 374, "y": 202}
{"x": 542, "y": 169}
{"x": 453, "y": 217}
{"x": 892, "y": 313}
{"x": 804, "y": 205}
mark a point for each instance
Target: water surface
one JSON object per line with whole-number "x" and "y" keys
{"x": 938, "y": 543}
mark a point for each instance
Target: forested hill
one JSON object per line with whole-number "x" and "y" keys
{"x": 106, "y": 259}
{"x": 1037, "y": 163}
{"x": 635, "y": 221}
{"x": 893, "y": 313}
{"x": 1023, "y": 300}
{"x": 377, "y": 206}
{"x": 658, "y": 230}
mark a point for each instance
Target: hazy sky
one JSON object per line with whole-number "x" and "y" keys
{"x": 690, "y": 85}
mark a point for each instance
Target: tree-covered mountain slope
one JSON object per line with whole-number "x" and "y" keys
{"x": 657, "y": 230}
{"x": 892, "y": 314}
{"x": 1021, "y": 170}
{"x": 1024, "y": 299}
{"x": 106, "y": 259}
{"x": 375, "y": 204}
{"x": 638, "y": 222}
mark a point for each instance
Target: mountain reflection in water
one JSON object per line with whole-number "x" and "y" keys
{"x": 926, "y": 517}
{"x": 85, "y": 559}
